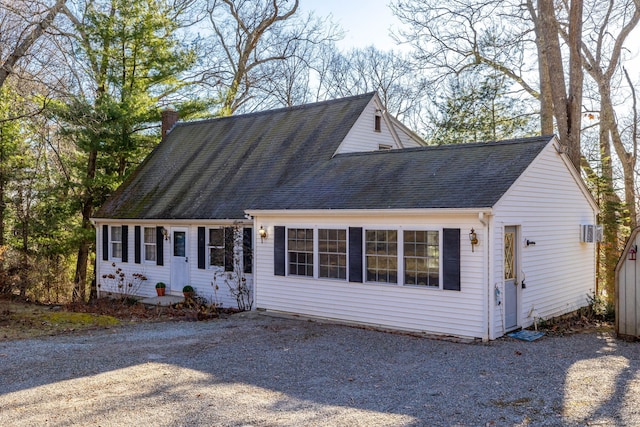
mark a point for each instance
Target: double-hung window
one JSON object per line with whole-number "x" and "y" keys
{"x": 216, "y": 247}
{"x": 300, "y": 251}
{"x": 332, "y": 253}
{"x": 150, "y": 244}
{"x": 422, "y": 258}
{"x": 116, "y": 242}
{"x": 382, "y": 256}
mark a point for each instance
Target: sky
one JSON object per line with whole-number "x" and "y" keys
{"x": 365, "y": 22}
{"x": 368, "y": 22}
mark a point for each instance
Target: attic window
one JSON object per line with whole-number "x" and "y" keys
{"x": 377, "y": 123}
{"x": 384, "y": 147}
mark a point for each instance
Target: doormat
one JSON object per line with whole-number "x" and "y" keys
{"x": 526, "y": 335}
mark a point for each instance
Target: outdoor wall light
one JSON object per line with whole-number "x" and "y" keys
{"x": 165, "y": 233}
{"x": 473, "y": 237}
{"x": 262, "y": 233}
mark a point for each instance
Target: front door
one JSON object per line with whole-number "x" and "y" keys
{"x": 179, "y": 259}
{"x": 510, "y": 279}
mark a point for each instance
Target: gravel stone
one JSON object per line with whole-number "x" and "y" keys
{"x": 258, "y": 370}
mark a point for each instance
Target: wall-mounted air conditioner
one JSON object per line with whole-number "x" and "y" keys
{"x": 590, "y": 233}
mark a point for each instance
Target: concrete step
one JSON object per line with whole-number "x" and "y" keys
{"x": 163, "y": 301}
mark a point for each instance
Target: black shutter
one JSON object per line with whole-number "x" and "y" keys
{"x": 137, "y": 243}
{"x": 202, "y": 260}
{"x": 247, "y": 249}
{"x": 125, "y": 243}
{"x": 228, "y": 249}
{"x": 451, "y": 259}
{"x": 355, "y": 254}
{"x": 105, "y": 243}
{"x": 159, "y": 246}
{"x": 279, "y": 263}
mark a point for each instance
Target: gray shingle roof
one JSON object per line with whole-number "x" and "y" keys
{"x": 447, "y": 176}
{"x": 216, "y": 168}
{"x": 282, "y": 159}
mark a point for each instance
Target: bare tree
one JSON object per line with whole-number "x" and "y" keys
{"x": 27, "y": 30}
{"x": 472, "y": 39}
{"x": 251, "y": 39}
{"x": 577, "y": 48}
{"x": 369, "y": 69}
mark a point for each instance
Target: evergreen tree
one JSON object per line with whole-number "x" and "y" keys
{"x": 131, "y": 61}
{"x": 482, "y": 111}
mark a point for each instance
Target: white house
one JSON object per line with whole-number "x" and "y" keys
{"x": 343, "y": 213}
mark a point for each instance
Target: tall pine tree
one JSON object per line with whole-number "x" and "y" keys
{"x": 131, "y": 60}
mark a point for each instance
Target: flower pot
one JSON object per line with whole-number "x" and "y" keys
{"x": 160, "y": 291}
{"x": 188, "y": 295}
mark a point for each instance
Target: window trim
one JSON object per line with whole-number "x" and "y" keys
{"x": 400, "y": 254}
{"x": 112, "y": 242}
{"x": 314, "y": 252}
{"x": 209, "y": 246}
{"x": 145, "y": 245}
{"x": 317, "y": 253}
{"x": 404, "y": 257}
{"x": 365, "y": 255}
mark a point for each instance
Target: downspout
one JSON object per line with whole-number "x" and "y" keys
{"x": 487, "y": 247}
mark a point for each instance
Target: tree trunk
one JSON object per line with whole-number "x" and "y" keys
{"x": 545, "y": 98}
{"x": 80, "y": 280}
{"x": 566, "y": 107}
{"x": 576, "y": 80}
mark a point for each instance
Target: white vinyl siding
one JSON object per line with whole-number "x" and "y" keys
{"x": 200, "y": 279}
{"x": 416, "y": 308}
{"x": 559, "y": 271}
{"x": 363, "y": 136}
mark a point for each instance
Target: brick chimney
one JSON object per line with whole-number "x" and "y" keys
{"x": 169, "y": 119}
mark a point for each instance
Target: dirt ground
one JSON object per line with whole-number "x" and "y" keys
{"x": 23, "y": 319}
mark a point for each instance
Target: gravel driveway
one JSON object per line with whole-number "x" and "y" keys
{"x": 257, "y": 370}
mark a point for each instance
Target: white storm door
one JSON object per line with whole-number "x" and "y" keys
{"x": 510, "y": 279}
{"x": 179, "y": 259}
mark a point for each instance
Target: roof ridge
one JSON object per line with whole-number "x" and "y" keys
{"x": 524, "y": 140}
{"x": 279, "y": 110}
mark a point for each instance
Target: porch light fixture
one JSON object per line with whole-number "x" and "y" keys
{"x": 262, "y": 233}
{"x": 473, "y": 237}
{"x": 165, "y": 233}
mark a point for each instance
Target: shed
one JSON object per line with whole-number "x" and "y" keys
{"x": 627, "y": 291}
